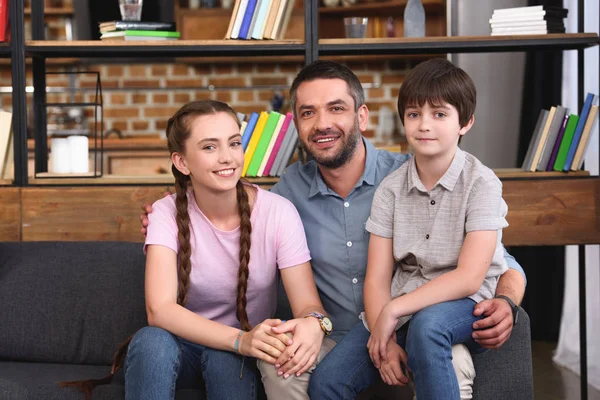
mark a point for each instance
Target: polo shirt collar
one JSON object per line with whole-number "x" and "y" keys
{"x": 448, "y": 180}
{"x": 318, "y": 185}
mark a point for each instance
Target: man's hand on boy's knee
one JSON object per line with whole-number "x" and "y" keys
{"x": 495, "y": 329}
{"x": 147, "y": 209}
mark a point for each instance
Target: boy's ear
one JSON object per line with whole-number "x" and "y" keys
{"x": 468, "y": 126}
{"x": 180, "y": 163}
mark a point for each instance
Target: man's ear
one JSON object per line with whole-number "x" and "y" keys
{"x": 363, "y": 117}
{"x": 180, "y": 163}
{"x": 468, "y": 126}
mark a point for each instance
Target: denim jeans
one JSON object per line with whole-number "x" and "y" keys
{"x": 427, "y": 338}
{"x": 158, "y": 362}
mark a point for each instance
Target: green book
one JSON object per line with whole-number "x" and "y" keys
{"x": 148, "y": 34}
{"x": 563, "y": 150}
{"x": 263, "y": 144}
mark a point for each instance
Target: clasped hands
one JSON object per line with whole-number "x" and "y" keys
{"x": 387, "y": 355}
{"x": 291, "y": 346}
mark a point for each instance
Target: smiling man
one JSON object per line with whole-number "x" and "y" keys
{"x": 333, "y": 194}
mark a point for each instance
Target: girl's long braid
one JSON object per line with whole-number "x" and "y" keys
{"x": 184, "y": 264}
{"x": 243, "y": 271}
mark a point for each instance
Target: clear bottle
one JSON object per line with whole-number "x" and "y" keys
{"x": 414, "y": 19}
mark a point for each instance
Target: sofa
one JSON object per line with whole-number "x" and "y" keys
{"x": 66, "y": 306}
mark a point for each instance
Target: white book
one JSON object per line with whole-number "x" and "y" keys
{"x": 537, "y": 24}
{"x": 538, "y": 16}
{"x": 518, "y": 10}
{"x": 235, "y": 32}
{"x": 514, "y": 33}
{"x": 274, "y": 136}
{"x": 261, "y": 19}
{"x": 520, "y": 28}
{"x": 243, "y": 126}
{"x": 5, "y": 129}
{"x": 278, "y": 19}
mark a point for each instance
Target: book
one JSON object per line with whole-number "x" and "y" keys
{"x": 559, "y": 138}
{"x": 537, "y": 151}
{"x": 531, "y": 9}
{"x": 277, "y": 147}
{"x": 585, "y": 139}
{"x": 235, "y": 32}
{"x": 557, "y": 121}
{"x": 262, "y": 145}
{"x": 4, "y": 12}
{"x": 535, "y": 139}
{"x": 141, "y": 35}
{"x": 284, "y": 145}
{"x": 236, "y": 6}
{"x": 254, "y": 18}
{"x": 247, "y": 20}
{"x": 542, "y": 16}
{"x": 525, "y": 32}
{"x": 256, "y": 134}
{"x": 278, "y": 19}
{"x": 263, "y": 163}
{"x": 243, "y": 126}
{"x": 589, "y": 101}
{"x": 531, "y": 24}
{"x": 249, "y": 130}
{"x": 286, "y": 20}
{"x": 289, "y": 151}
{"x": 271, "y": 18}
{"x": 263, "y": 13}
{"x": 136, "y": 26}
{"x": 566, "y": 143}
{"x": 5, "y": 138}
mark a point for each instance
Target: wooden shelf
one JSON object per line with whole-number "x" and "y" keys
{"x": 58, "y": 11}
{"x": 517, "y": 173}
{"x": 173, "y": 48}
{"x": 162, "y": 179}
{"x": 4, "y": 182}
{"x": 49, "y": 61}
{"x": 393, "y": 8}
{"x": 457, "y": 44}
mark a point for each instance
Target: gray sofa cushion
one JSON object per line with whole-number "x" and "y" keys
{"x": 69, "y": 302}
{"x": 35, "y": 381}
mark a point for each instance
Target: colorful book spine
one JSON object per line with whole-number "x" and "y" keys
{"x": 258, "y": 130}
{"x": 262, "y": 145}
{"x": 578, "y": 130}
{"x": 263, "y": 164}
{"x": 284, "y": 127}
{"x": 249, "y": 130}
{"x": 559, "y": 138}
{"x": 247, "y": 19}
{"x": 566, "y": 143}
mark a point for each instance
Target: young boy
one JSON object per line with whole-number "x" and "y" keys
{"x": 436, "y": 227}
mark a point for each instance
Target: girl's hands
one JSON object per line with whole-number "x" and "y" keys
{"x": 380, "y": 335}
{"x": 301, "y": 355}
{"x": 263, "y": 343}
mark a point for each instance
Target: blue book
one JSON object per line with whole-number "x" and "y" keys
{"x": 247, "y": 21}
{"x": 578, "y": 131}
{"x": 249, "y": 129}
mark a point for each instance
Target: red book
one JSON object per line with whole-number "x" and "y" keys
{"x": 4, "y": 33}
{"x": 277, "y": 146}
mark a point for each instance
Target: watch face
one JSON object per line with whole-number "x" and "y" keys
{"x": 327, "y": 324}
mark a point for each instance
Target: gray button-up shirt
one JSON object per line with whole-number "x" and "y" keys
{"x": 428, "y": 228}
{"x": 336, "y": 234}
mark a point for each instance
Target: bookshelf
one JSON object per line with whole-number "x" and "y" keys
{"x": 548, "y": 208}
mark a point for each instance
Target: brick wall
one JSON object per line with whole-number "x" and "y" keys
{"x": 148, "y": 94}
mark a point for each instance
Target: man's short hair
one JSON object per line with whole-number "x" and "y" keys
{"x": 436, "y": 82}
{"x": 321, "y": 69}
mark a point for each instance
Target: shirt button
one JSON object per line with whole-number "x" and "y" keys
{"x": 349, "y": 244}
{"x": 354, "y": 280}
{"x": 427, "y": 236}
{"x": 346, "y": 204}
{"x": 432, "y": 202}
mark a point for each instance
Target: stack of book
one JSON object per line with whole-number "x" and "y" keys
{"x": 534, "y": 20}
{"x": 269, "y": 140}
{"x": 560, "y": 140}
{"x": 260, "y": 19}
{"x": 138, "y": 30}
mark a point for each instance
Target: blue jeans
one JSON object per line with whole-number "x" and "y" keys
{"x": 347, "y": 369}
{"x": 158, "y": 362}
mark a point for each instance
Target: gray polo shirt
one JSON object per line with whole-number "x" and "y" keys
{"x": 429, "y": 227}
{"x": 336, "y": 234}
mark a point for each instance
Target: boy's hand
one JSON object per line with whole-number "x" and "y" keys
{"x": 391, "y": 371}
{"x": 380, "y": 335}
{"x": 147, "y": 209}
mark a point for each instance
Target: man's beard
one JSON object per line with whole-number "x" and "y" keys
{"x": 349, "y": 145}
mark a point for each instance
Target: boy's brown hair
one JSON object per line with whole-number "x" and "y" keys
{"x": 435, "y": 82}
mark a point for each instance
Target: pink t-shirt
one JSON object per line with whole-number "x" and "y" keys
{"x": 277, "y": 241}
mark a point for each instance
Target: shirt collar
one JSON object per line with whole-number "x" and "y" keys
{"x": 318, "y": 185}
{"x": 448, "y": 180}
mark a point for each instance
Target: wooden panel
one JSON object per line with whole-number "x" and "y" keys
{"x": 138, "y": 163}
{"x": 85, "y": 213}
{"x": 552, "y": 212}
{"x": 10, "y": 218}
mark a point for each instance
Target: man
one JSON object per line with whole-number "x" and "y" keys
{"x": 333, "y": 195}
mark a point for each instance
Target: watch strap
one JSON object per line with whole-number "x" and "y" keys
{"x": 513, "y": 307}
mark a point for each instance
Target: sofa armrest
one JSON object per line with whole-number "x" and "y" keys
{"x": 507, "y": 373}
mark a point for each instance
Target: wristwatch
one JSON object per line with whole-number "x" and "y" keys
{"x": 514, "y": 308}
{"x": 324, "y": 321}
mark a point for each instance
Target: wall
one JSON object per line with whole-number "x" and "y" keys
{"x": 145, "y": 110}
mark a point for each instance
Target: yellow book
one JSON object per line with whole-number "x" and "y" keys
{"x": 258, "y": 130}
{"x": 584, "y": 141}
